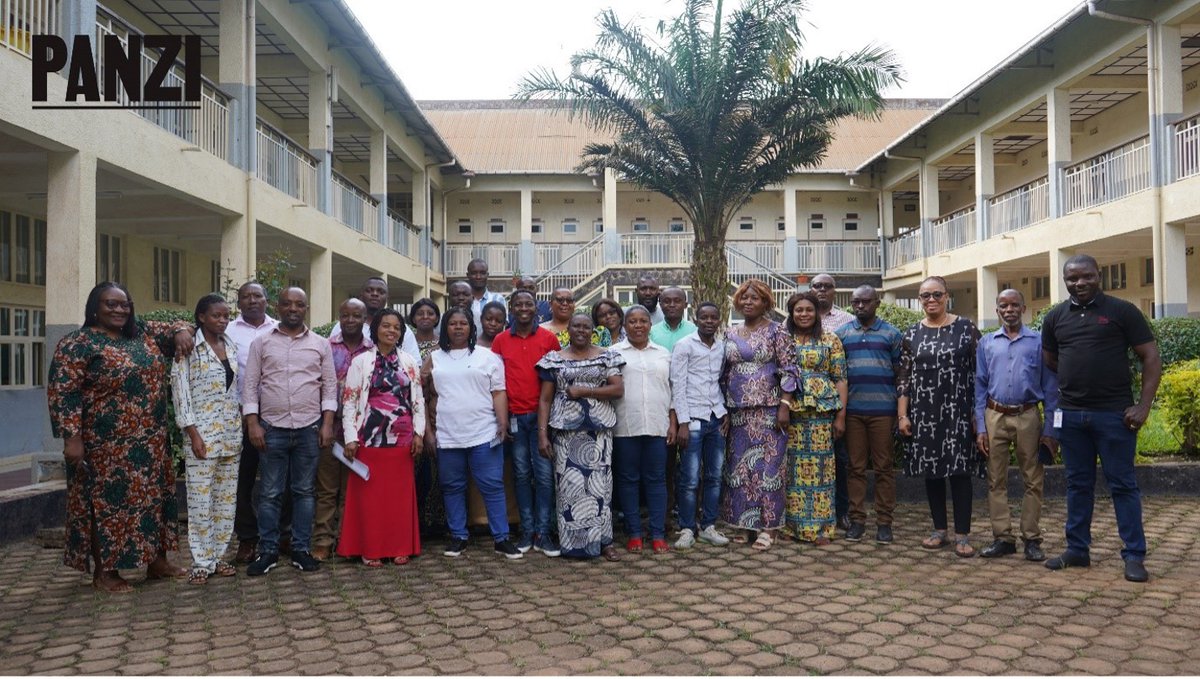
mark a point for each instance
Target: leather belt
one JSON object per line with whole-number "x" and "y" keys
{"x": 1009, "y": 410}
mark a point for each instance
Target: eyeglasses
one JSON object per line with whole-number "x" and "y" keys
{"x": 563, "y": 300}
{"x": 932, "y": 295}
{"x": 113, "y": 305}
{"x": 822, "y": 286}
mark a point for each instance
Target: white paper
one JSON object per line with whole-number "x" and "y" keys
{"x": 355, "y": 465}
{"x": 1057, "y": 419}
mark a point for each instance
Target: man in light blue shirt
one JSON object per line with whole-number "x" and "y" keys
{"x": 673, "y": 327}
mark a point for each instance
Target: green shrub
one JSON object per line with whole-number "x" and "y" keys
{"x": 324, "y": 330}
{"x": 168, "y": 315}
{"x": 1178, "y": 338}
{"x": 1179, "y": 399}
{"x": 1040, "y": 316}
{"x": 898, "y": 316}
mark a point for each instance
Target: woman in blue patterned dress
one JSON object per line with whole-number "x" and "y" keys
{"x": 817, "y": 419}
{"x": 575, "y": 421}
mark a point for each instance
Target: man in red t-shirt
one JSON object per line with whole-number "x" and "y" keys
{"x": 521, "y": 347}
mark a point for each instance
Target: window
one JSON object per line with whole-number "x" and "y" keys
{"x": 851, "y": 222}
{"x": 22, "y": 346}
{"x": 1148, "y": 271}
{"x": 496, "y": 227}
{"x": 746, "y": 225}
{"x": 640, "y": 224}
{"x": 676, "y": 226}
{"x": 817, "y": 221}
{"x": 570, "y": 227}
{"x": 168, "y": 275}
{"x": 1112, "y": 277}
{"x": 780, "y": 225}
{"x": 214, "y": 276}
{"x": 536, "y": 227}
{"x": 1004, "y": 286}
{"x": 22, "y": 249}
{"x": 464, "y": 227}
{"x": 1041, "y": 287}
{"x": 108, "y": 258}
{"x": 598, "y": 226}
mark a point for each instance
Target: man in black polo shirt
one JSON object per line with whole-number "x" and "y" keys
{"x": 1085, "y": 340}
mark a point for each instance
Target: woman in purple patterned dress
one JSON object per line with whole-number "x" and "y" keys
{"x": 758, "y": 356}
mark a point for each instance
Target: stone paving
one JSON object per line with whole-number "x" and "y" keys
{"x": 846, "y": 608}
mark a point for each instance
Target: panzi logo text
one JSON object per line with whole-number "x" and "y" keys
{"x": 125, "y": 85}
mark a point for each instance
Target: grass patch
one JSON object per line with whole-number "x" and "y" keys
{"x": 1155, "y": 439}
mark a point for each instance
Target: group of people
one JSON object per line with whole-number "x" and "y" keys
{"x": 766, "y": 428}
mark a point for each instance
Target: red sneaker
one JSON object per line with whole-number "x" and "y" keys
{"x": 634, "y": 546}
{"x": 659, "y": 546}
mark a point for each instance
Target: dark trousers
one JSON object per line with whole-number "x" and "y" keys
{"x": 1086, "y": 435}
{"x": 841, "y": 467}
{"x": 960, "y": 496}
{"x": 245, "y": 516}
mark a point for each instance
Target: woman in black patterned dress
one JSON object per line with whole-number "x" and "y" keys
{"x": 936, "y": 388}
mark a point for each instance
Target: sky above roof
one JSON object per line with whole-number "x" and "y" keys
{"x": 481, "y": 49}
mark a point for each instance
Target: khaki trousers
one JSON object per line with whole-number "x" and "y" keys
{"x": 869, "y": 438}
{"x": 1023, "y": 432}
{"x": 331, "y": 493}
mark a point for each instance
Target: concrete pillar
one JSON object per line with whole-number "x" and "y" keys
{"x": 930, "y": 204}
{"x": 236, "y": 76}
{"x": 420, "y": 212}
{"x": 1170, "y": 247}
{"x": 1058, "y": 289}
{"x": 78, "y": 17}
{"x": 320, "y": 284}
{"x": 986, "y": 288}
{"x": 887, "y": 227}
{"x": 1058, "y": 147}
{"x": 525, "y": 258}
{"x": 237, "y": 250}
{"x": 985, "y": 184}
{"x": 379, "y": 181}
{"x": 791, "y": 244}
{"x": 320, "y": 133}
{"x": 612, "y": 240}
{"x": 70, "y": 241}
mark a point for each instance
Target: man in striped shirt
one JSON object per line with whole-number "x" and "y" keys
{"x": 872, "y": 355}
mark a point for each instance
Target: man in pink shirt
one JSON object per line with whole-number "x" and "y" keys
{"x": 289, "y": 396}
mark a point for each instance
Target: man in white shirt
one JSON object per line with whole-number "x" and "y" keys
{"x": 252, "y": 321}
{"x": 696, "y": 365}
{"x": 374, "y": 294}
{"x": 477, "y": 278}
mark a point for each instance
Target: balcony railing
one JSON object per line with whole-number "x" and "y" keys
{"x": 757, "y": 255}
{"x": 1187, "y": 148}
{"x": 284, "y": 164}
{"x": 501, "y": 258}
{"x": 904, "y": 248}
{"x": 401, "y": 236}
{"x": 952, "y": 231}
{"x": 572, "y": 264}
{"x": 207, "y": 127}
{"x": 1019, "y": 208}
{"x": 839, "y": 256}
{"x": 352, "y": 206}
{"x": 657, "y": 248}
{"x": 547, "y": 256}
{"x": 20, "y": 20}
{"x": 1109, "y": 176}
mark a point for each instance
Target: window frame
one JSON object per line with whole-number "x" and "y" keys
{"x": 168, "y": 265}
{"x": 22, "y": 355}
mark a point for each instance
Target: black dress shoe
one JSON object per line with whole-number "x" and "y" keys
{"x": 1068, "y": 560}
{"x": 843, "y": 522}
{"x": 855, "y": 534}
{"x": 998, "y": 548}
{"x": 1135, "y": 571}
{"x": 1033, "y": 551}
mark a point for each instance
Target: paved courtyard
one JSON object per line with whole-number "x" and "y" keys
{"x": 851, "y": 609}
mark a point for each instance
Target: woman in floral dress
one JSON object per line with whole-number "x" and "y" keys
{"x": 107, "y": 394}
{"x": 575, "y": 421}
{"x": 758, "y": 355}
{"x": 817, "y": 419}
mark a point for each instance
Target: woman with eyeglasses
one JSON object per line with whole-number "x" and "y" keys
{"x": 608, "y": 314}
{"x": 936, "y": 392}
{"x": 107, "y": 393}
{"x": 562, "y": 308}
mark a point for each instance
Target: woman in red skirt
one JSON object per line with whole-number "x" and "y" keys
{"x": 383, "y": 413}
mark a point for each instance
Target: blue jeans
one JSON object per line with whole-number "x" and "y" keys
{"x": 294, "y": 452}
{"x": 534, "y": 477}
{"x": 1086, "y": 434}
{"x": 486, "y": 463}
{"x": 641, "y": 462}
{"x": 705, "y": 449}
{"x": 841, "y": 467}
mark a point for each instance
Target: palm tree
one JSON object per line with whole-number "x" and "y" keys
{"x": 713, "y": 113}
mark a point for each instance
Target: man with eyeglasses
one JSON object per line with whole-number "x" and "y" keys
{"x": 832, "y": 318}
{"x": 872, "y": 358}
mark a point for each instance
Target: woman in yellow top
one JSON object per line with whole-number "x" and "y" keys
{"x": 818, "y": 417}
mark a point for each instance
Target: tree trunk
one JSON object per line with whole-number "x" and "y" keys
{"x": 710, "y": 275}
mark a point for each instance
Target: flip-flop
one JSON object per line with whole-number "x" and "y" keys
{"x": 119, "y": 586}
{"x": 198, "y": 576}
{"x": 763, "y": 542}
{"x": 372, "y": 563}
{"x": 936, "y": 540}
{"x": 225, "y": 570}
{"x": 400, "y": 560}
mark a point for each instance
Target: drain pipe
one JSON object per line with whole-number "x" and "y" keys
{"x": 1156, "y": 145}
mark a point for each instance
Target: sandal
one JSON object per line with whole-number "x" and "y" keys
{"x": 610, "y": 553}
{"x": 111, "y": 583}
{"x": 659, "y": 546}
{"x": 400, "y": 560}
{"x": 763, "y": 542}
{"x": 936, "y": 540}
{"x": 372, "y": 563}
{"x": 962, "y": 546}
{"x": 740, "y": 538}
{"x": 822, "y": 542}
{"x": 225, "y": 570}
{"x": 634, "y": 546}
{"x": 198, "y": 576}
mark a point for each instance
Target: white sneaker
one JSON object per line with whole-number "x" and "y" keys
{"x": 686, "y": 539}
{"x": 713, "y": 537}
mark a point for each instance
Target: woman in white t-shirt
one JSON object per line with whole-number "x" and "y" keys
{"x": 468, "y": 412}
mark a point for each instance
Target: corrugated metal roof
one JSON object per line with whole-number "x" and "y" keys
{"x": 506, "y": 137}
